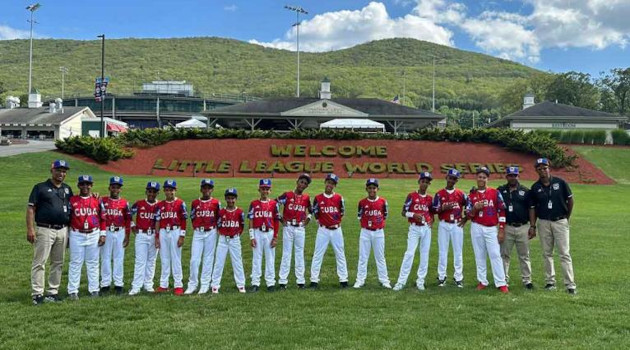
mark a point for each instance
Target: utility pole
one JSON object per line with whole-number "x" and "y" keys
{"x": 102, "y": 36}
{"x": 404, "y": 86}
{"x": 297, "y": 10}
{"x": 433, "y": 100}
{"x": 64, "y": 71}
{"x": 32, "y": 9}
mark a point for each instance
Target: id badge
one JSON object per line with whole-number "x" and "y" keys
{"x": 370, "y": 223}
{"x": 481, "y": 214}
{"x": 168, "y": 228}
{"x": 86, "y": 225}
{"x": 510, "y": 208}
{"x": 452, "y": 217}
{"x": 263, "y": 227}
{"x": 423, "y": 220}
{"x": 111, "y": 228}
{"x": 549, "y": 205}
{"x": 149, "y": 231}
{"x": 201, "y": 228}
{"x": 65, "y": 209}
{"x": 294, "y": 222}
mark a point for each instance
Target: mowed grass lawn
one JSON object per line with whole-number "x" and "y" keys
{"x": 598, "y": 317}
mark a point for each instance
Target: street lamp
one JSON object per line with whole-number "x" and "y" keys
{"x": 64, "y": 71}
{"x": 32, "y": 9}
{"x": 102, "y": 131}
{"x": 297, "y": 10}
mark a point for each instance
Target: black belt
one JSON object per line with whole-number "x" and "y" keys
{"x": 418, "y": 224}
{"x": 258, "y": 228}
{"x": 54, "y": 227}
{"x": 450, "y": 221}
{"x": 517, "y": 224}
{"x": 330, "y": 227}
{"x": 559, "y": 218}
{"x": 205, "y": 228}
{"x": 370, "y": 229}
{"x": 114, "y": 228}
{"x": 298, "y": 225}
{"x": 87, "y": 231}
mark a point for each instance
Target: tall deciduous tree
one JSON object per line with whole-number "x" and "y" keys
{"x": 617, "y": 84}
{"x": 574, "y": 88}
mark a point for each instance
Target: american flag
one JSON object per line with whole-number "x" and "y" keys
{"x": 396, "y": 100}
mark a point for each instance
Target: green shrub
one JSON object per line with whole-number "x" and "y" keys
{"x": 101, "y": 150}
{"x": 620, "y": 137}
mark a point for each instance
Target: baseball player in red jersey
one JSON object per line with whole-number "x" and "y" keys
{"x": 329, "y": 208}
{"x": 231, "y": 222}
{"x": 118, "y": 227}
{"x": 203, "y": 214}
{"x": 449, "y": 203}
{"x": 295, "y": 216}
{"x": 486, "y": 210}
{"x": 372, "y": 213}
{"x": 87, "y": 233}
{"x": 170, "y": 226}
{"x": 264, "y": 218}
{"x": 418, "y": 211}
{"x": 146, "y": 246}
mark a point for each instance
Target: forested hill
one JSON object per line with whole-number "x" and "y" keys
{"x": 217, "y": 65}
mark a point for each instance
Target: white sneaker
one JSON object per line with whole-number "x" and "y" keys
{"x": 398, "y": 287}
{"x": 358, "y": 285}
{"x": 134, "y": 291}
{"x": 204, "y": 289}
{"x": 241, "y": 289}
{"x": 189, "y": 291}
{"x": 420, "y": 286}
{"x": 215, "y": 290}
{"x": 149, "y": 289}
{"x": 386, "y": 285}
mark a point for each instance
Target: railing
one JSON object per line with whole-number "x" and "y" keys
{"x": 215, "y": 96}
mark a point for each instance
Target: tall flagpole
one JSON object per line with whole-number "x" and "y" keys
{"x": 433, "y": 100}
{"x": 297, "y": 10}
{"x": 31, "y": 8}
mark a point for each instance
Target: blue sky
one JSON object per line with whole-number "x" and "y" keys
{"x": 556, "y": 35}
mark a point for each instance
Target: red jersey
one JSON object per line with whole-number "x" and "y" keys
{"x": 329, "y": 210}
{"x": 231, "y": 222}
{"x": 373, "y": 213}
{"x": 145, "y": 214}
{"x": 295, "y": 207}
{"x": 117, "y": 213}
{"x": 419, "y": 204}
{"x": 264, "y": 215}
{"x": 86, "y": 214}
{"x": 457, "y": 197}
{"x": 204, "y": 213}
{"x": 493, "y": 211}
{"x": 171, "y": 214}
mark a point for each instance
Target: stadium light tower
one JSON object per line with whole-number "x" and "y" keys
{"x": 32, "y": 9}
{"x": 64, "y": 71}
{"x": 297, "y": 10}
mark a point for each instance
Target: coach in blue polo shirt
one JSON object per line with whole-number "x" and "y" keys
{"x": 47, "y": 218}
{"x": 551, "y": 202}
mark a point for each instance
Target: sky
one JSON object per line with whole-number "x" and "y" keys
{"x": 589, "y": 36}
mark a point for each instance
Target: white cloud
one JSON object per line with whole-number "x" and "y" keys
{"x": 8, "y": 33}
{"x": 342, "y": 29}
{"x": 230, "y": 8}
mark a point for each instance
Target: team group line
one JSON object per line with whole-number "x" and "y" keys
{"x": 97, "y": 230}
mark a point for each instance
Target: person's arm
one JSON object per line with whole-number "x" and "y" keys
{"x": 276, "y": 225}
{"x": 30, "y": 223}
{"x": 501, "y": 213}
{"x": 250, "y": 216}
{"x": 156, "y": 218}
{"x": 531, "y": 202}
{"x": 569, "y": 207}
{"x": 102, "y": 223}
{"x": 127, "y": 221}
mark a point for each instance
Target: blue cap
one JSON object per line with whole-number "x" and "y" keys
{"x": 542, "y": 161}
{"x": 484, "y": 170}
{"x": 332, "y": 177}
{"x": 264, "y": 183}
{"x": 371, "y": 181}
{"x": 153, "y": 185}
{"x": 305, "y": 176}
{"x": 511, "y": 170}
{"x": 116, "y": 180}
{"x": 231, "y": 192}
{"x": 453, "y": 172}
{"x": 170, "y": 184}
{"x": 60, "y": 163}
{"x": 208, "y": 182}
{"x": 425, "y": 175}
{"x": 85, "y": 178}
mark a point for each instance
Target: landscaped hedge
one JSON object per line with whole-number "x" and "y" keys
{"x": 114, "y": 148}
{"x": 620, "y": 137}
{"x": 588, "y": 137}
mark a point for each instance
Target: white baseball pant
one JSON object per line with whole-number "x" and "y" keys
{"x": 484, "y": 241}
{"x": 323, "y": 238}
{"x": 368, "y": 241}
{"x": 146, "y": 254}
{"x": 203, "y": 247}
{"x": 292, "y": 236}
{"x": 83, "y": 248}
{"x": 170, "y": 258}
{"x": 263, "y": 247}
{"x": 455, "y": 234}
{"x": 113, "y": 248}
{"x": 417, "y": 235}
{"x": 233, "y": 246}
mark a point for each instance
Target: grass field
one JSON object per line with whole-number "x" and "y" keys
{"x": 330, "y": 318}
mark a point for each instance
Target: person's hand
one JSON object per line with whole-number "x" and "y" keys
{"x": 134, "y": 229}
{"x": 126, "y": 242}
{"x": 101, "y": 241}
{"x": 274, "y": 241}
{"x": 417, "y": 216}
{"x": 447, "y": 206}
{"x": 180, "y": 241}
{"x": 307, "y": 221}
{"x": 253, "y": 243}
{"x": 96, "y": 195}
{"x": 501, "y": 235}
{"x": 157, "y": 242}
{"x": 532, "y": 232}
{"x": 461, "y": 223}
{"x": 479, "y": 205}
{"x": 30, "y": 236}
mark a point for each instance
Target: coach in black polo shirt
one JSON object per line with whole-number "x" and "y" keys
{"x": 516, "y": 198}
{"x": 551, "y": 202}
{"x": 47, "y": 218}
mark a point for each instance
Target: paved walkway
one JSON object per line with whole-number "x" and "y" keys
{"x": 31, "y": 146}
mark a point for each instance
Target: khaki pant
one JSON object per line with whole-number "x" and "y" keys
{"x": 517, "y": 236}
{"x": 48, "y": 243}
{"x": 556, "y": 233}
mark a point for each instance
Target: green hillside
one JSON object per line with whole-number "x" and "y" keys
{"x": 230, "y": 66}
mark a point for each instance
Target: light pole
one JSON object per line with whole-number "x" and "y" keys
{"x": 64, "y": 71}
{"x": 102, "y": 131}
{"x": 297, "y": 10}
{"x": 32, "y": 9}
